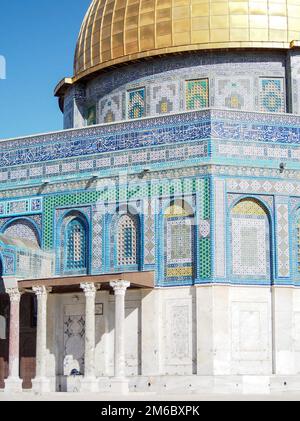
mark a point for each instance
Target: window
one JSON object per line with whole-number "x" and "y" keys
{"x": 136, "y": 103}
{"x": 179, "y": 241}
{"x": 197, "y": 94}
{"x": 91, "y": 118}
{"x": 127, "y": 241}
{"x": 23, "y": 229}
{"x": 250, "y": 240}
{"x": 76, "y": 245}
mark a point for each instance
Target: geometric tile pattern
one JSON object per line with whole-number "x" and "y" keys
{"x": 234, "y": 93}
{"x": 76, "y": 245}
{"x": 204, "y": 190}
{"x": 282, "y": 235}
{"x": 179, "y": 233}
{"x": 248, "y": 223}
{"x": 127, "y": 243}
{"x": 231, "y": 125}
{"x": 97, "y": 238}
{"x": 136, "y": 103}
{"x": 164, "y": 99}
{"x": 110, "y": 109}
{"x": 250, "y": 240}
{"x": 272, "y": 95}
{"x": 179, "y": 242}
{"x": 264, "y": 186}
{"x": 61, "y": 237}
{"x": 24, "y": 206}
{"x": 149, "y": 235}
{"x": 196, "y": 95}
{"x": 60, "y": 201}
{"x": 24, "y": 230}
{"x": 219, "y": 208}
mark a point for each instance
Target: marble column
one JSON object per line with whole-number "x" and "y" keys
{"x": 13, "y": 383}
{"x": 41, "y": 383}
{"x": 120, "y": 384}
{"x": 89, "y": 383}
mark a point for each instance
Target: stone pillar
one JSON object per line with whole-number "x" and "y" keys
{"x": 89, "y": 383}
{"x": 213, "y": 330}
{"x": 13, "y": 383}
{"x": 284, "y": 357}
{"x": 151, "y": 345}
{"x": 120, "y": 384}
{"x": 41, "y": 383}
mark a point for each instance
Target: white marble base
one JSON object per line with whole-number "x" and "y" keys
{"x": 13, "y": 385}
{"x": 119, "y": 386}
{"x": 235, "y": 384}
{"x": 41, "y": 385}
{"x": 89, "y": 384}
{"x": 225, "y": 336}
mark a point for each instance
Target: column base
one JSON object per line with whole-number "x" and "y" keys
{"x": 41, "y": 385}
{"x": 89, "y": 384}
{"x": 13, "y": 385}
{"x": 119, "y": 386}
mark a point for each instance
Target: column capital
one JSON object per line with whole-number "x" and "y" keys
{"x": 120, "y": 286}
{"x": 41, "y": 290}
{"x": 89, "y": 288}
{"x": 14, "y": 294}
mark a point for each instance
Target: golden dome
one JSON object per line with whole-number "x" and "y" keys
{"x": 118, "y": 31}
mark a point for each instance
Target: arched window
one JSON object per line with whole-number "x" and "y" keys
{"x": 250, "y": 240}
{"x": 76, "y": 245}
{"x": 179, "y": 241}
{"x": 127, "y": 240}
{"x": 23, "y": 229}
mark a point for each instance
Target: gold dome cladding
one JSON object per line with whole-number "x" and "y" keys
{"x": 118, "y": 31}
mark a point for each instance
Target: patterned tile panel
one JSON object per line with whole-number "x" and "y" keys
{"x": 282, "y": 235}
{"x": 220, "y": 224}
{"x": 250, "y": 240}
{"x": 197, "y": 94}
{"x": 136, "y": 103}
{"x": 272, "y": 95}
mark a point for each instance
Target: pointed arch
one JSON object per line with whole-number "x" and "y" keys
{"x": 179, "y": 243}
{"x": 127, "y": 240}
{"x": 250, "y": 239}
{"x": 74, "y": 240}
{"x": 23, "y": 229}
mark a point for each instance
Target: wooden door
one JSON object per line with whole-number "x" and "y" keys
{"x": 27, "y": 371}
{"x": 3, "y": 371}
{"x": 27, "y": 340}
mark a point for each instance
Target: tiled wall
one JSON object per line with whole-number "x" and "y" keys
{"x": 240, "y": 81}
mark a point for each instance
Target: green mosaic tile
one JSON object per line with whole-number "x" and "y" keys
{"x": 205, "y": 258}
{"x": 52, "y": 202}
{"x": 149, "y": 190}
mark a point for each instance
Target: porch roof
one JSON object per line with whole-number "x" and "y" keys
{"x": 72, "y": 283}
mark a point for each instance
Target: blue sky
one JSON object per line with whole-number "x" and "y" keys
{"x": 37, "y": 39}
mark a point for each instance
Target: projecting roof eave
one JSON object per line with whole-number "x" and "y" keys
{"x": 138, "y": 280}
